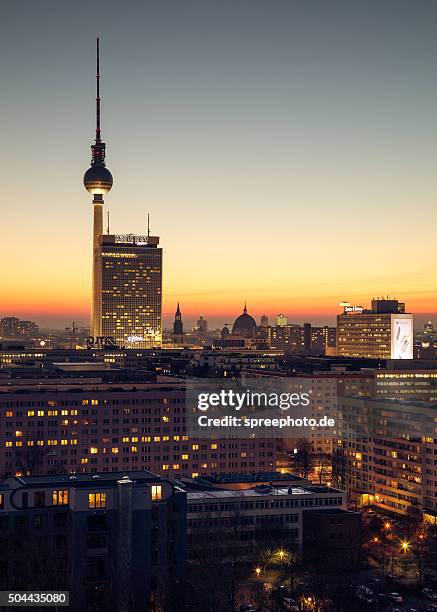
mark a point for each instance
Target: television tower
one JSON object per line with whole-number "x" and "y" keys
{"x": 98, "y": 181}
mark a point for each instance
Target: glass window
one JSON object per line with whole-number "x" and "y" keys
{"x": 156, "y": 492}
{"x": 96, "y": 500}
{"x": 39, "y": 499}
{"x": 60, "y": 498}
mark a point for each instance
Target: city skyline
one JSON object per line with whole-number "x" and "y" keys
{"x": 328, "y": 198}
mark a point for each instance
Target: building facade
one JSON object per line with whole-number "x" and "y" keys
{"x": 131, "y": 290}
{"x": 388, "y": 451}
{"x": 114, "y": 541}
{"x": 383, "y": 332}
{"x": 247, "y": 514}
{"x": 59, "y": 427}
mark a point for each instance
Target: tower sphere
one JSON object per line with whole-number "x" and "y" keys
{"x": 97, "y": 180}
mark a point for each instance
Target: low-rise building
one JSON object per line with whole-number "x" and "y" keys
{"x": 254, "y": 517}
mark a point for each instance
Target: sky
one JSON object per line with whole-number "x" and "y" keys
{"x": 286, "y": 152}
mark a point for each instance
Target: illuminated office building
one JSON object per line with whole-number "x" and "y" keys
{"x": 383, "y": 332}
{"x": 131, "y": 291}
{"x": 127, "y": 269}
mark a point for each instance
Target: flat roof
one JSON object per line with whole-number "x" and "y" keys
{"x": 245, "y": 477}
{"x": 79, "y": 480}
{"x": 232, "y": 493}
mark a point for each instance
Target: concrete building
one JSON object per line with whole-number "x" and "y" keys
{"x": 304, "y": 339}
{"x": 387, "y": 453}
{"x": 12, "y": 327}
{"x": 112, "y": 540}
{"x": 384, "y": 332}
{"x": 130, "y": 301}
{"x": 229, "y": 363}
{"x": 56, "y": 426}
{"x": 332, "y": 536}
{"x": 246, "y": 514}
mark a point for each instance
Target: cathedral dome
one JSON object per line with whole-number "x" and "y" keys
{"x": 244, "y": 325}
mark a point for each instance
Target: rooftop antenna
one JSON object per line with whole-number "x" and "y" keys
{"x": 148, "y": 225}
{"x": 108, "y": 223}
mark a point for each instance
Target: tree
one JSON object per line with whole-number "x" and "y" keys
{"x": 323, "y": 461}
{"x": 304, "y": 458}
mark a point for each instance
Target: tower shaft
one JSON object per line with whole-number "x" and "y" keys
{"x": 96, "y": 308}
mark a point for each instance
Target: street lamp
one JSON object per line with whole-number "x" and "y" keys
{"x": 387, "y": 526}
{"x": 405, "y": 546}
{"x": 258, "y": 572}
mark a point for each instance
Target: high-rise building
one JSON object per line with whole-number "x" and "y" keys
{"x": 202, "y": 325}
{"x": 383, "y": 332}
{"x": 12, "y": 327}
{"x": 9, "y": 327}
{"x": 127, "y": 269}
{"x": 264, "y": 321}
{"x": 131, "y": 290}
{"x": 385, "y": 453}
{"x": 281, "y": 320}
{"x": 428, "y": 328}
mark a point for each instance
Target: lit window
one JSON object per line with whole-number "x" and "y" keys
{"x": 114, "y": 450}
{"x": 96, "y": 500}
{"x": 195, "y": 447}
{"x": 1, "y": 501}
{"x": 31, "y": 413}
{"x": 184, "y": 457}
{"x": 156, "y": 492}
{"x": 60, "y": 498}
{"x": 94, "y": 450}
{"x": 194, "y": 474}
{"x": 165, "y": 467}
{"x": 213, "y": 446}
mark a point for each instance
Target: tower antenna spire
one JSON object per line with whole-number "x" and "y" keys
{"x": 108, "y": 223}
{"x": 98, "y": 138}
{"x": 148, "y": 225}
